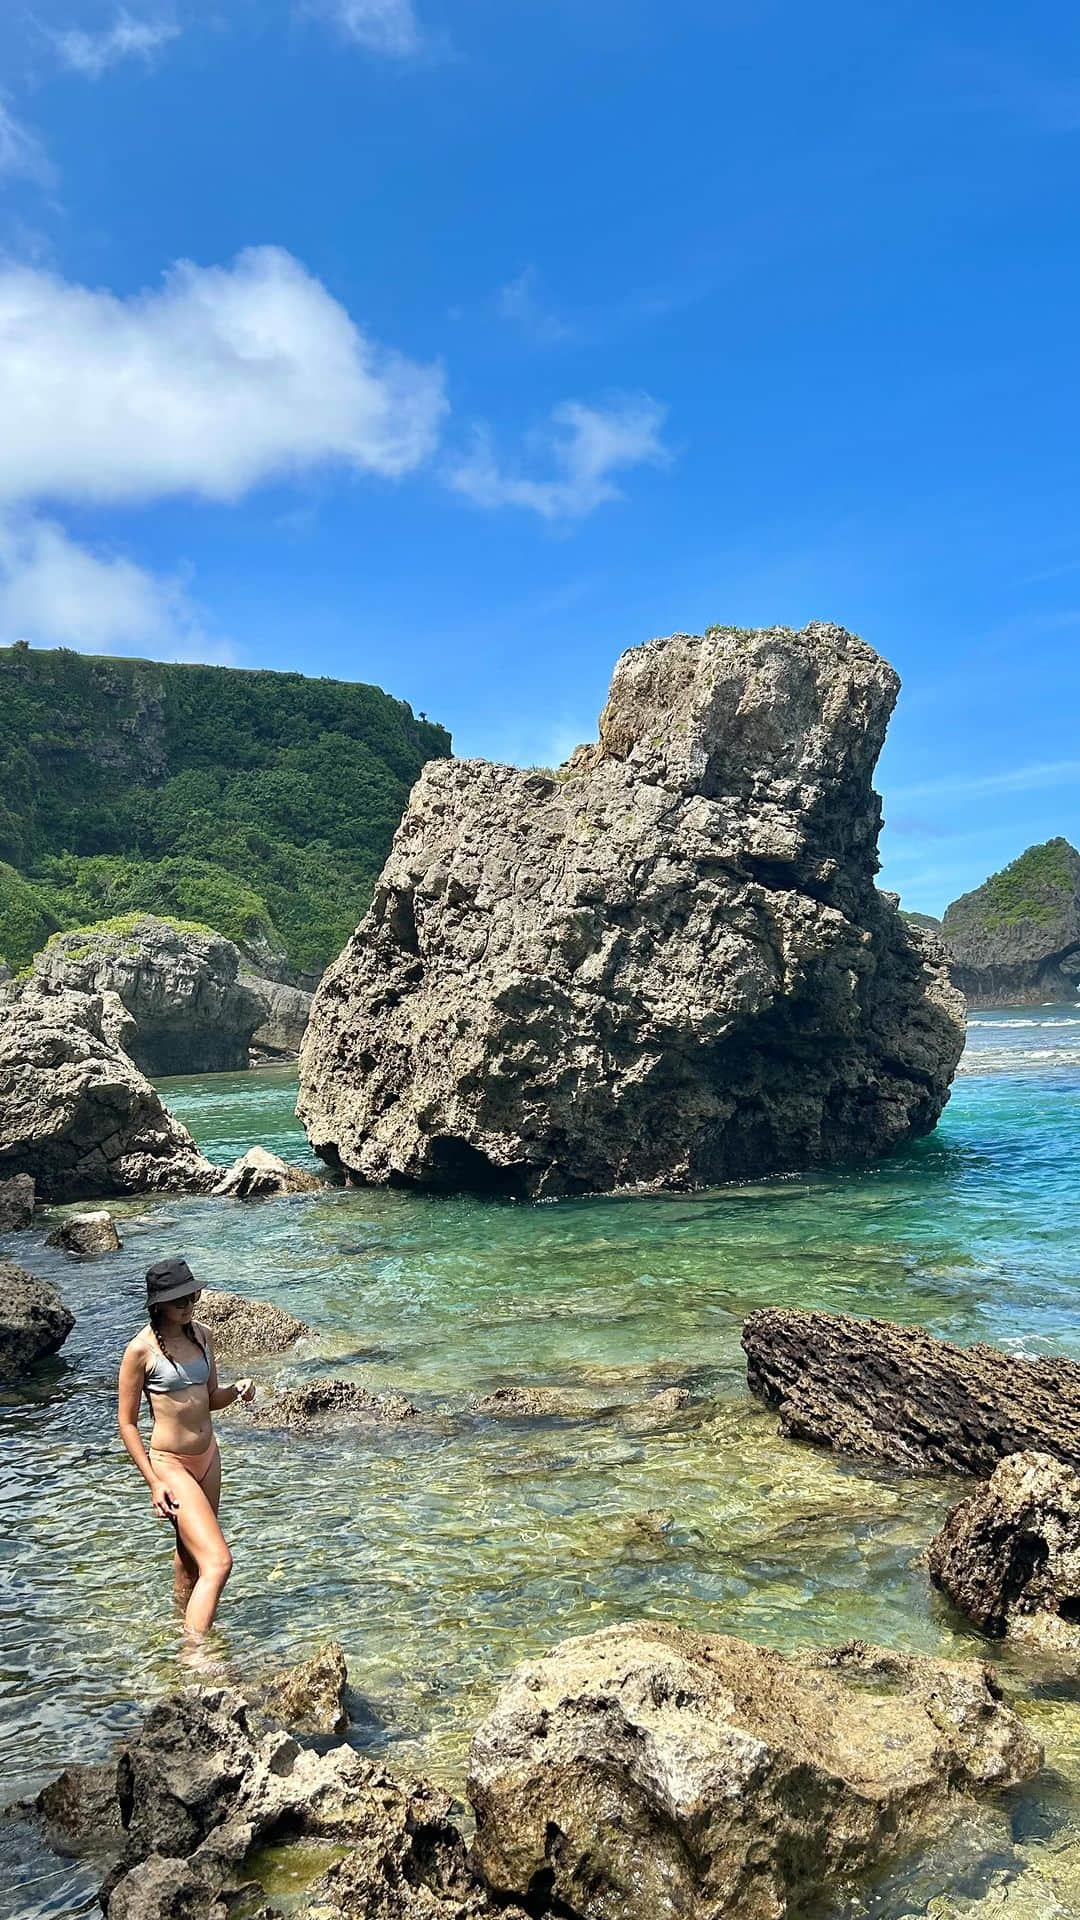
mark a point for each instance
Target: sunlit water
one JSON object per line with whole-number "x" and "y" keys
{"x": 443, "y": 1551}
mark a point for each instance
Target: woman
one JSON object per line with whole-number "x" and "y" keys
{"x": 172, "y": 1361}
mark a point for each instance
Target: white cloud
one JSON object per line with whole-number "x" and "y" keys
{"x": 22, "y": 156}
{"x": 57, "y": 593}
{"x": 128, "y": 38}
{"x": 585, "y": 446}
{"x": 385, "y": 26}
{"x": 223, "y": 378}
{"x": 521, "y": 302}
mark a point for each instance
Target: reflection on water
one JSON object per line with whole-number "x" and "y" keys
{"x": 442, "y": 1552}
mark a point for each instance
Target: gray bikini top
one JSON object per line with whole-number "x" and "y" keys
{"x": 170, "y": 1376}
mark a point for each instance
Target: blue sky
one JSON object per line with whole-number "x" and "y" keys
{"x": 458, "y": 345}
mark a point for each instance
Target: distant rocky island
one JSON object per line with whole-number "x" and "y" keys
{"x": 663, "y": 964}
{"x": 1015, "y": 941}
{"x": 259, "y": 806}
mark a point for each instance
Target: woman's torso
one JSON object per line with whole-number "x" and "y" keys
{"x": 177, "y": 1386}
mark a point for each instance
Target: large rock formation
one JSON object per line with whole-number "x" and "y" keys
{"x": 285, "y": 1011}
{"x": 33, "y": 1320}
{"x": 666, "y": 964}
{"x": 644, "y": 1773}
{"x": 897, "y": 1394}
{"x": 179, "y": 983}
{"x": 1015, "y": 941}
{"x": 1009, "y": 1555}
{"x": 75, "y": 1113}
{"x": 204, "y": 1780}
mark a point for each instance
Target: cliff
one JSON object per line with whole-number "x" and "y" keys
{"x": 666, "y": 964}
{"x": 1015, "y": 941}
{"x": 260, "y": 804}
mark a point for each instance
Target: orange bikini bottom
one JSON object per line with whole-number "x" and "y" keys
{"x": 197, "y": 1464}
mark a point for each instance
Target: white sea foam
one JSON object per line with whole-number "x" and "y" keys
{"x": 999, "y": 1026}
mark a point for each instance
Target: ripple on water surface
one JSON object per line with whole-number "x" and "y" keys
{"x": 442, "y": 1551}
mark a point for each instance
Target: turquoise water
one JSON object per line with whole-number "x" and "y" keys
{"x": 442, "y": 1552}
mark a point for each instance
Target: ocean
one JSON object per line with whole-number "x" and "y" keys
{"x": 442, "y": 1551}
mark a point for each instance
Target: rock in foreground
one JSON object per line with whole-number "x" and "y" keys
{"x": 201, "y": 1784}
{"x": 644, "y": 1773}
{"x": 85, "y": 1233}
{"x": 243, "y": 1327}
{"x": 1009, "y": 1555}
{"x": 666, "y": 965}
{"x": 896, "y": 1394}
{"x": 75, "y": 1113}
{"x": 34, "y": 1321}
{"x": 180, "y": 984}
{"x": 310, "y": 1697}
{"x": 16, "y": 1203}
{"x": 1015, "y": 941}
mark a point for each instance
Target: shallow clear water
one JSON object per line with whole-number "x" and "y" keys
{"x": 443, "y": 1551}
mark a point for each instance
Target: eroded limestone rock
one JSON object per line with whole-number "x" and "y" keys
{"x": 665, "y": 965}
{"x": 244, "y": 1328}
{"x": 310, "y": 1696}
{"x": 85, "y": 1233}
{"x": 16, "y": 1203}
{"x": 34, "y": 1321}
{"x": 285, "y": 1011}
{"x": 644, "y": 1773}
{"x": 319, "y": 1403}
{"x": 180, "y": 985}
{"x": 76, "y": 1114}
{"x": 1009, "y": 1555}
{"x": 897, "y": 1394}
{"x": 259, "y": 1174}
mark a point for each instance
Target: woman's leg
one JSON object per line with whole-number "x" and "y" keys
{"x": 199, "y": 1536}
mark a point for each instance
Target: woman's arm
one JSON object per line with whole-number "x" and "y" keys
{"x": 223, "y": 1396}
{"x": 129, "y": 1399}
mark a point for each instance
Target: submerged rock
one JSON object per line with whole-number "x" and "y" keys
{"x": 243, "y": 1327}
{"x": 322, "y": 1402}
{"x": 665, "y": 965}
{"x": 87, "y": 1233}
{"x": 75, "y": 1112}
{"x": 34, "y": 1321}
{"x": 1009, "y": 1555}
{"x": 258, "y": 1174}
{"x": 178, "y": 982}
{"x": 16, "y": 1203}
{"x": 644, "y": 1773}
{"x": 310, "y": 1696}
{"x": 896, "y": 1394}
{"x": 538, "y": 1403}
{"x": 1015, "y": 941}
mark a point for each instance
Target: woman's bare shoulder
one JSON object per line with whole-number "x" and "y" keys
{"x": 138, "y": 1348}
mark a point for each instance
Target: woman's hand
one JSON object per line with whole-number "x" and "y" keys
{"x": 165, "y": 1504}
{"x": 245, "y": 1391}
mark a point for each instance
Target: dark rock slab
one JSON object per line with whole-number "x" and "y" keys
{"x": 34, "y": 1321}
{"x": 897, "y": 1394}
{"x": 1009, "y": 1555}
{"x": 16, "y": 1203}
{"x": 645, "y": 1773}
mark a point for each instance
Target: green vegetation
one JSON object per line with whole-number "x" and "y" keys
{"x": 259, "y": 804}
{"x": 1038, "y": 888}
{"x": 25, "y": 920}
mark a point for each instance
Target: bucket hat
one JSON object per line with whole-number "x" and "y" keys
{"x": 169, "y": 1280}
